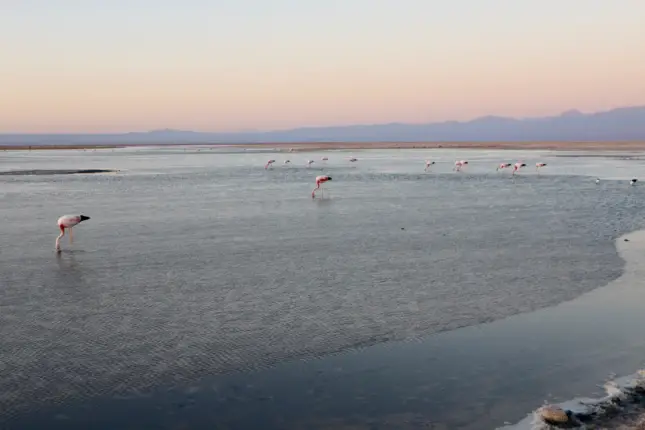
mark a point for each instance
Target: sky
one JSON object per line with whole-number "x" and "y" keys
{"x": 95, "y": 66}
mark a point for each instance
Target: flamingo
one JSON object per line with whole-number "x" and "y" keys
{"x": 352, "y": 159}
{"x": 309, "y": 163}
{"x": 319, "y": 181}
{"x": 428, "y": 164}
{"x": 633, "y": 181}
{"x": 538, "y": 165}
{"x": 503, "y": 166}
{"x": 287, "y": 161}
{"x": 269, "y": 163}
{"x": 67, "y": 222}
{"x": 459, "y": 164}
{"x": 518, "y": 166}
{"x": 324, "y": 159}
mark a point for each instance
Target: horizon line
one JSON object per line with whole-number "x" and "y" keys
{"x": 562, "y": 113}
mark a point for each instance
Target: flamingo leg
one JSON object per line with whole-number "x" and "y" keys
{"x": 71, "y": 235}
{"x": 62, "y": 233}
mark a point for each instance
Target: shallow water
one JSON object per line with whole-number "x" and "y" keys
{"x": 199, "y": 264}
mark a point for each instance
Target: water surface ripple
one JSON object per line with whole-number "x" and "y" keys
{"x": 187, "y": 271}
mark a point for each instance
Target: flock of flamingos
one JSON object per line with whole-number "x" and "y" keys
{"x": 67, "y": 222}
{"x": 459, "y": 164}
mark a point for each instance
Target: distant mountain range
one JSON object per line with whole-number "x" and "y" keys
{"x": 622, "y": 124}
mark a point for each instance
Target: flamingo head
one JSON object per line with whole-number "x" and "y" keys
{"x": 84, "y": 218}
{"x": 523, "y": 165}
{"x": 329, "y": 178}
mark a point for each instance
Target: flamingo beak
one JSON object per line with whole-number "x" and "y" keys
{"x": 330, "y": 178}
{"x": 83, "y": 217}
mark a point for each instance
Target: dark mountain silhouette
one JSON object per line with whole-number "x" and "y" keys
{"x": 622, "y": 124}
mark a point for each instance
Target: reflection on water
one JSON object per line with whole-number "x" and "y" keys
{"x": 193, "y": 268}
{"x": 69, "y": 270}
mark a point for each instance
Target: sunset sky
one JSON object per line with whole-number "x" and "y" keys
{"x": 113, "y": 66}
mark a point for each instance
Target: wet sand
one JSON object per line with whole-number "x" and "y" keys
{"x": 555, "y": 146}
{"x": 317, "y": 146}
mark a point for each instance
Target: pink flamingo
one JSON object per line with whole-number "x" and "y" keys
{"x": 503, "y": 166}
{"x": 428, "y": 164}
{"x": 319, "y": 181}
{"x": 269, "y": 163}
{"x": 518, "y": 166}
{"x": 459, "y": 164}
{"x": 538, "y": 165}
{"x": 67, "y": 222}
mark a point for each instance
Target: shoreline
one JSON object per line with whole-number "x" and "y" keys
{"x": 321, "y": 146}
{"x": 623, "y": 406}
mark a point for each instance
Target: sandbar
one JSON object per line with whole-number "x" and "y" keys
{"x": 321, "y": 146}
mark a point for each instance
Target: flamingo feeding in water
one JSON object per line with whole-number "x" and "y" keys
{"x": 269, "y": 163}
{"x": 518, "y": 166}
{"x": 459, "y": 164}
{"x": 309, "y": 163}
{"x": 68, "y": 222}
{"x": 503, "y": 166}
{"x": 287, "y": 161}
{"x": 428, "y": 164}
{"x": 319, "y": 181}
{"x": 538, "y": 165}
